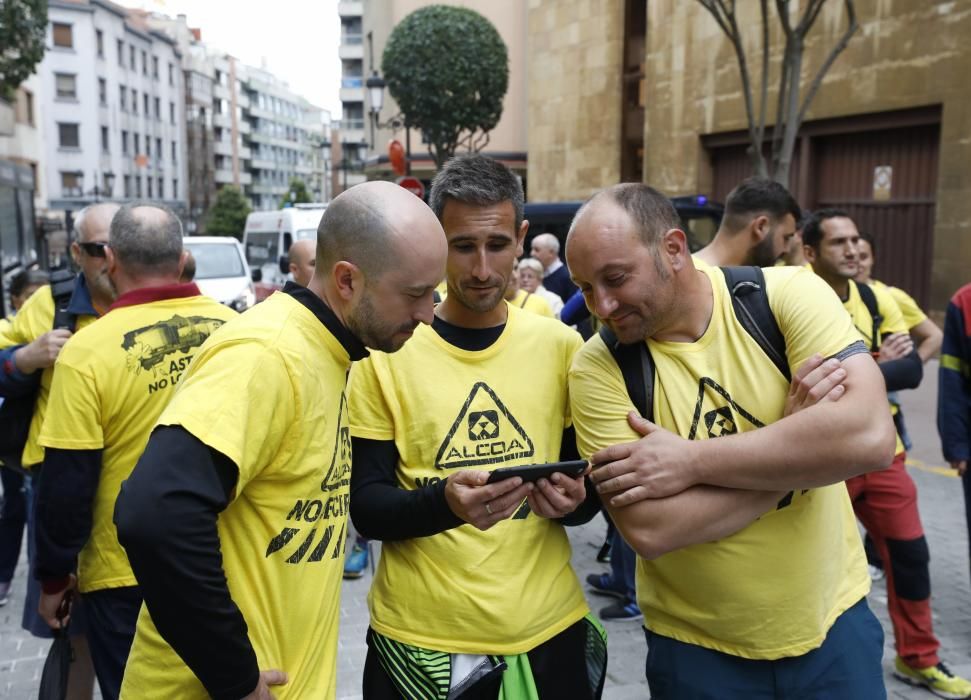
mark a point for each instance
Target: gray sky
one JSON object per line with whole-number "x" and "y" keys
{"x": 298, "y": 38}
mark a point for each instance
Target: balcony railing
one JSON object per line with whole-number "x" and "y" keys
{"x": 350, "y": 39}
{"x": 352, "y": 82}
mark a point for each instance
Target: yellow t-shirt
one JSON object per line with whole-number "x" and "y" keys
{"x": 35, "y": 318}
{"x": 532, "y": 302}
{"x": 912, "y": 313}
{"x": 268, "y": 392}
{"x": 774, "y": 588}
{"x": 112, "y": 380}
{"x": 506, "y": 590}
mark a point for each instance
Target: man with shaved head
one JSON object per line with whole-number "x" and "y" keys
{"x": 302, "y": 255}
{"x": 235, "y": 518}
{"x": 112, "y": 380}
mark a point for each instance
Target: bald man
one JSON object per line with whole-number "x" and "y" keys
{"x": 234, "y": 519}
{"x": 302, "y": 257}
{"x": 556, "y": 277}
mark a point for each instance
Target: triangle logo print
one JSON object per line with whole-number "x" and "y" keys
{"x": 339, "y": 472}
{"x": 484, "y": 433}
{"x": 718, "y": 414}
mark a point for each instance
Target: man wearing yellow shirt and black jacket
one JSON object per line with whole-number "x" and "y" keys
{"x": 112, "y": 380}
{"x": 751, "y": 575}
{"x": 885, "y": 501}
{"x": 234, "y": 519}
{"x": 474, "y": 594}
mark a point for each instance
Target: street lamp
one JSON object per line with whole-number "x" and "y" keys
{"x": 109, "y": 185}
{"x": 375, "y": 86}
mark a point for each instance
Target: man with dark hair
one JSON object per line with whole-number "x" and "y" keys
{"x": 112, "y": 380}
{"x": 234, "y": 519}
{"x": 885, "y": 501}
{"x": 758, "y": 225}
{"x": 474, "y": 594}
{"x": 751, "y": 575}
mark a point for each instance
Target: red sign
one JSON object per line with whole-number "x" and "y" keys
{"x": 413, "y": 185}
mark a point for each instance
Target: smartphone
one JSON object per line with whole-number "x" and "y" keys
{"x": 533, "y": 472}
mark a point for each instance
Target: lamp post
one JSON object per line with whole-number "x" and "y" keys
{"x": 109, "y": 183}
{"x": 375, "y": 86}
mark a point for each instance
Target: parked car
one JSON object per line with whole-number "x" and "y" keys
{"x": 267, "y": 239}
{"x": 221, "y": 270}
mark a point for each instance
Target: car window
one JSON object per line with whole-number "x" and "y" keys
{"x": 216, "y": 260}
{"x": 262, "y": 248}
{"x": 305, "y": 234}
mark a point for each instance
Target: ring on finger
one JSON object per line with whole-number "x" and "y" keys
{"x": 488, "y": 509}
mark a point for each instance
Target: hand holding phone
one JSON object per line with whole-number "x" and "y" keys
{"x": 535, "y": 472}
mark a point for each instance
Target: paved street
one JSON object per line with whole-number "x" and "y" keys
{"x": 21, "y": 656}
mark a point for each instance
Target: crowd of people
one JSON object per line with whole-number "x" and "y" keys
{"x": 188, "y": 476}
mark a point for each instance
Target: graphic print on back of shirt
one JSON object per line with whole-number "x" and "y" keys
{"x": 484, "y": 433}
{"x": 148, "y": 349}
{"x": 325, "y": 512}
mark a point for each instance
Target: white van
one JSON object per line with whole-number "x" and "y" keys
{"x": 267, "y": 239}
{"x": 221, "y": 270}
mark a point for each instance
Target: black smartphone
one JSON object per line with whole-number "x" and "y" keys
{"x": 533, "y": 472}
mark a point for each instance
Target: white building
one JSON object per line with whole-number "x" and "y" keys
{"x": 111, "y": 104}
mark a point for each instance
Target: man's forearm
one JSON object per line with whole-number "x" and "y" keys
{"x": 905, "y": 373}
{"x": 14, "y": 382}
{"x": 818, "y": 446}
{"x": 696, "y": 515}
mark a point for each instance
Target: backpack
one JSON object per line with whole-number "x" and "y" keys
{"x": 16, "y": 412}
{"x": 751, "y": 305}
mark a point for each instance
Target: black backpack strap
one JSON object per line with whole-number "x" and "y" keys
{"x": 637, "y": 368}
{"x": 62, "y": 287}
{"x": 751, "y": 304}
{"x": 869, "y": 300}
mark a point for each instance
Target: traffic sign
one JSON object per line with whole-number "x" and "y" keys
{"x": 413, "y": 185}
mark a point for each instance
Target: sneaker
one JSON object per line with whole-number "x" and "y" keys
{"x": 4, "y": 593}
{"x": 603, "y": 585}
{"x": 621, "y": 611}
{"x": 937, "y": 679}
{"x": 356, "y": 562}
{"x": 876, "y": 573}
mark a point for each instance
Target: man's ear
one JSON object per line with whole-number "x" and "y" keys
{"x": 182, "y": 260}
{"x": 76, "y": 253}
{"x": 521, "y": 236}
{"x": 674, "y": 245}
{"x": 347, "y": 278}
{"x": 809, "y": 252}
{"x": 112, "y": 261}
{"x": 760, "y": 228}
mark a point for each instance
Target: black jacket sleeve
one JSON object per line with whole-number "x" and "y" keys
{"x": 905, "y": 373}
{"x": 587, "y": 510}
{"x": 166, "y": 517}
{"x": 66, "y": 488}
{"x": 383, "y": 511}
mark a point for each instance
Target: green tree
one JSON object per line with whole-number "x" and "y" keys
{"x": 296, "y": 194}
{"x": 227, "y": 215}
{"x": 448, "y": 70}
{"x": 23, "y": 31}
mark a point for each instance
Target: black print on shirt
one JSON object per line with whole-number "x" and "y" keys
{"x": 483, "y": 433}
{"x": 721, "y": 412}
{"x": 147, "y": 347}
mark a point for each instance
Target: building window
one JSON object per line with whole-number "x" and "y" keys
{"x": 158, "y": 109}
{"x": 124, "y": 149}
{"x": 138, "y": 186}
{"x": 99, "y": 39}
{"x": 137, "y": 143}
{"x": 102, "y": 91}
{"x": 131, "y": 57}
{"x": 104, "y": 140}
{"x": 121, "y": 53}
{"x": 174, "y": 158}
{"x": 172, "y": 112}
{"x": 63, "y": 35}
{"x": 175, "y": 188}
{"x": 161, "y": 188}
{"x": 144, "y": 63}
{"x": 148, "y": 181}
{"x": 127, "y": 185}
{"x": 148, "y": 145}
{"x": 171, "y": 74}
{"x": 123, "y": 98}
{"x": 66, "y": 86}
{"x": 155, "y": 67}
{"x": 145, "y": 102}
{"x": 70, "y": 184}
{"x": 68, "y": 135}
{"x": 158, "y": 149}
{"x": 134, "y": 101}
{"x": 24, "y": 108}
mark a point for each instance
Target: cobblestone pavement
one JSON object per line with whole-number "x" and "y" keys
{"x": 22, "y": 656}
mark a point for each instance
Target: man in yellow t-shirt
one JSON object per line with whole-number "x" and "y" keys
{"x": 751, "y": 575}
{"x": 885, "y": 501}
{"x": 234, "y": 519}
{"x": 473, "y": 577}
{"x": 112, "y": 380}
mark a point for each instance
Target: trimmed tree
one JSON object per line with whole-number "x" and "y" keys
{"x": 296, "y": 194}
{"x": 23, "y": 31}
{"x": 227, "y": 215}
{"x": 448, "y": 70}
{"x": 791, "y": 102}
